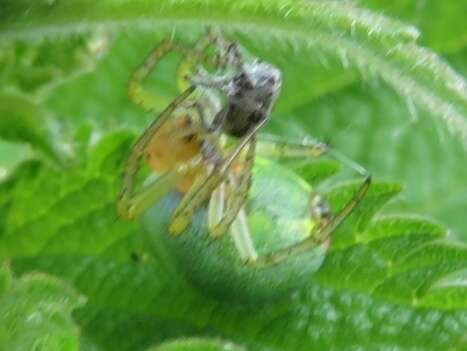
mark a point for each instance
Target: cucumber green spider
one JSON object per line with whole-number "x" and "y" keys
{"x": 205, "y": 142}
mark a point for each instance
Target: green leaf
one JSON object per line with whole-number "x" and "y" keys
{"x": 131, "y": 282}
{"x": 442, "y": 23}
{"x": 34, "y": 66}
{"x": 5, "y": 278}
{"x": 35, "y": 313}
{"x": 194, "y": 344}
{"x": 22, "y": 120}
{"x": 11, "y": 155}
{"x": 352, "y": 77}
{"x": 359, "y": 38}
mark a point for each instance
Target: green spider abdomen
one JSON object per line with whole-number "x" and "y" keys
{"x": 279, "y": 216}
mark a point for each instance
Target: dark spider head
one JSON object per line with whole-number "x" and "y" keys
{"x": 251, "y": 94}
{"x": 257, "y": 86}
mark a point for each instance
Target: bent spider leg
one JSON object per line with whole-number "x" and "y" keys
{"x": 136, "y": 91}
{"x": 137, "y": 151}
{"x": 159, "y": 188}
{"x": 240, "y": 186}
{"x": 193, "y": 57}
{"x": 198, "y": 193}
{"x": 203, "y": 187}
{"x": 317, "y": 237}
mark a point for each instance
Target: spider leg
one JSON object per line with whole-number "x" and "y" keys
{"x": 229, "y": 53}
{"x": 216, "y": 206}
{"x": 241, "y": 144}
{"x": 138, "y": 150}
{"x": 191, "y": 57}
{"x": 270, "y": 145}
{"x": 204, "y": 187}
{"x": 158, "y": 189}
{"x": 136, "y": 91}
{"x": 276, "y": 146}
{"x": 194, "y": 56}
{"x": 213, "y": 81}
{"x": 240, "y": 233}
{"x": 319, "y": 235}
{"x": 239, "y": 228}
{"x": 208, "y": 105}
{"x": 199, "y": 192}
{"x": 239, "y": 187}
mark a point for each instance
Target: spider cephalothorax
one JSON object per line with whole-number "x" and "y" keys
{"x": 251, "y": 94}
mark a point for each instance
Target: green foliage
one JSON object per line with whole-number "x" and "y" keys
{"x": 35, "y": 313}
{"x": 391, "y": 280}
{"x": 22, "y": 121}
{"x": 196, "y": 344}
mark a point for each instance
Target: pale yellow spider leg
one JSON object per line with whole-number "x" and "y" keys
{"x": 159, "y": 188}
{"x": 194, "y": 57}
{"x": 137, "y": 152}
{"x": 277, "y": 147}
{"x": 240, "y": 145}
{"x": 136, "y": 91}
{"x": 191, "y": 201}
{"x": 217, "y": 204}
{"x": 239, "y": 187}
{"x": 317, "y": 237}
{"x": 203, "y": 188}
{"x": 239, "y": 228}
{"x": 235, "y": 216}
{"x": 241, "y": 236}
{"x": 149, "y": 100}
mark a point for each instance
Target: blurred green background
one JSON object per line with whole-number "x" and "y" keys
{"x": 66, "y": 124}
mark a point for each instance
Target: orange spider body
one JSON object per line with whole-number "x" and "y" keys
{"x": 169, "y": 149}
